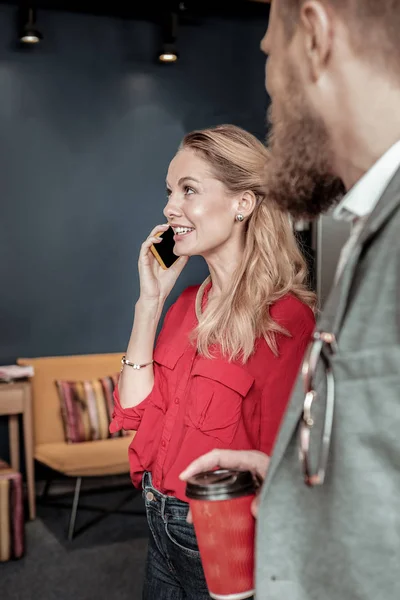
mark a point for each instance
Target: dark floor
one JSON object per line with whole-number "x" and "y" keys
{"x": 105, "y": 562}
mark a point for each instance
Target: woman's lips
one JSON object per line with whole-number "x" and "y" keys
{"x": 179, "y": 236}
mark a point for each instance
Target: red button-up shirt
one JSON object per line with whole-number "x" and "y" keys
{"x": 198, "y": 404}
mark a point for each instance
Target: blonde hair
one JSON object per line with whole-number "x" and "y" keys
{"x": 272, "y": 264}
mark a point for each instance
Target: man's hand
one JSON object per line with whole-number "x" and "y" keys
{"x": 240, "y": 460}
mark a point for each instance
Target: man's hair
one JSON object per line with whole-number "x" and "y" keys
{"x": 374, "y": 26}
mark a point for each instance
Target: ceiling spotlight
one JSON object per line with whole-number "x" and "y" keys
{"x": 168, "y": 52}
{"x": 29, "y": 34}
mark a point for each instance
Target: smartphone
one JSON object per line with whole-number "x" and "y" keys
{"x": 163, "y": 251}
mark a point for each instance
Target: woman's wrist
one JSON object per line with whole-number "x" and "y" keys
{"x": 145, "y": 322}
{"x": 149, "y": 307}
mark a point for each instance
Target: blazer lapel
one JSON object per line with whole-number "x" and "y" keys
{"x": 334, "y": 313}
{"x": 387, "y": 205}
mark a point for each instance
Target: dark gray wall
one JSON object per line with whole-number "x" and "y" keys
{"x": 88, "y": 126}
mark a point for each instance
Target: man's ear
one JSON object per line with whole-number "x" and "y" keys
{"x": 316, "y": 25}
{"x": 246, "y": 204}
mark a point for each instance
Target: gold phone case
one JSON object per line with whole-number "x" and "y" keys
{"x": 158, "y": 258}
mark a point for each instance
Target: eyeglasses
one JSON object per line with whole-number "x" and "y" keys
{"x": 320, "y": 349}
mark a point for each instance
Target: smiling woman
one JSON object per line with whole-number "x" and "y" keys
{"x": 224, "y": 363}
{"x": 266, "y": 263}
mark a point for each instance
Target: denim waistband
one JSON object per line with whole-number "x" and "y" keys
{"x": 167, "y": 506}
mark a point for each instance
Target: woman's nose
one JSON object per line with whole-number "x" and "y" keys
{"x": 172, "y": 209}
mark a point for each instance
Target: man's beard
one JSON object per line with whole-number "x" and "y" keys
{"x": 300, "y": 178}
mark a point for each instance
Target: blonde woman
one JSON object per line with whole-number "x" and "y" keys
{"x": 224, "y": 363}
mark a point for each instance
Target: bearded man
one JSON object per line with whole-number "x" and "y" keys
{"x": 329, "y": 523}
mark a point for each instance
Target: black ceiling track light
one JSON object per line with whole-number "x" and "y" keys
{"x": 28, "y": 32}
{"x": 189, "y": 11}
{"x": 169, "y": 27}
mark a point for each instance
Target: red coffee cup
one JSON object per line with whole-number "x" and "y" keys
{"x": 220, "y": 502}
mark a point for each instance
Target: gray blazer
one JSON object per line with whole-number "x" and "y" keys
{"x": 341, "y": 541}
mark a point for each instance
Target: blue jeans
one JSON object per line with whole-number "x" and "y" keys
{"x": 173, "y": 569}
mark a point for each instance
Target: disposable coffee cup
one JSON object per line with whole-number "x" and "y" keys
{"x": 220, "y": 502}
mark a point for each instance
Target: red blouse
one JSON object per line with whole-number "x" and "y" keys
{"x": 198, "y": 404}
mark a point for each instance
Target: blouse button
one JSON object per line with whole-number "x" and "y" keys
{"x": 163, "y": 443}
{"x": 176, "y": 400}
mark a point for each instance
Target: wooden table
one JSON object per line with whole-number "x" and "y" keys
{"x": 15, "y": 399}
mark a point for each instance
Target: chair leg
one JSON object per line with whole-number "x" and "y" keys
{"x": 75, "y": 503}
{"x": 46, "y": 489}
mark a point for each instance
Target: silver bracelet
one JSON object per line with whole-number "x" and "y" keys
{"x": 127, "y": 362}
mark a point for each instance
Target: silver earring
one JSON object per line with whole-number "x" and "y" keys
{"x": 239, "y": 217}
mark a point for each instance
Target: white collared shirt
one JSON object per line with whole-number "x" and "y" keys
{"x": 363, "y": 197}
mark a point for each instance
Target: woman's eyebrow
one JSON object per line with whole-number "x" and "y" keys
{"x": 187, "y": 178}
{"x": 183, "y": 179}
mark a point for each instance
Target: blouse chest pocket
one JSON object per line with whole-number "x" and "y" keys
{"x": 216, "y": 391}
{"x": 165, "y": 359}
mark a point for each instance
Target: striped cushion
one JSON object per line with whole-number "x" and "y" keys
{"x": 86, "y": 408}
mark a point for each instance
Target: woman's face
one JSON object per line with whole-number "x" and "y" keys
{"x": 199, "y": 209}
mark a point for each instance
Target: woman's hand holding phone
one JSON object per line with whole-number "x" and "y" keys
{"x": 155, "y": 282}
{"x": 155, "y": 285}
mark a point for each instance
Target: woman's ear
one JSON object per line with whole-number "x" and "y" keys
{"x": 247, "y": 204}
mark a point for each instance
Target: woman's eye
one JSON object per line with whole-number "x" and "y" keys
{"x": 168, "y": 193}
{"x": 189, "y": 190}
